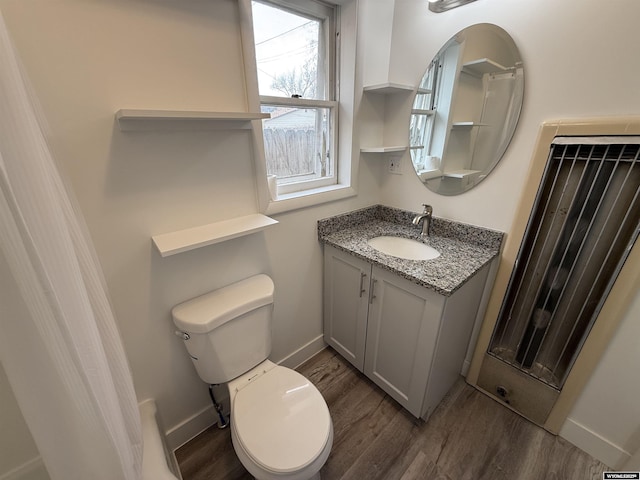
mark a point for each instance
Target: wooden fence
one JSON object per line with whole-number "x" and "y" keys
{"x": 290, "y": 152}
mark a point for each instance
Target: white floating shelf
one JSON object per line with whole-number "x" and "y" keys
{"x": 481, "y": 66}
{"x": 468, "y": 124}
{"x": 398, "y": 148}
{"x": 141, "y": 120}
{"x": 388, "y": 88}
{"x": 460, "y": 173}
{"x": 191, "y": 238}
{"x": 425, "y": 175}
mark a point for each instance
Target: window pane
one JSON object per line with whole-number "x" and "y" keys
{"x": 421, "y": 123}
{"x": 297, "y": 143}
{"x": 287, "y": 47}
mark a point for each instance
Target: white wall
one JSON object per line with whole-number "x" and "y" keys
{"x": 606, "y": 418}
{"x": 581, "y": 59}
{"x": 85, "y": 61}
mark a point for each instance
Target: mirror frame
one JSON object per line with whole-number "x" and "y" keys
{"x": 466, "y": 109}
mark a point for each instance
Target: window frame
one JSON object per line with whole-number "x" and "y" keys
{"x": 308, "y": 182}
{"x": 326, "y": 92}
{"x": 345, "y": 157}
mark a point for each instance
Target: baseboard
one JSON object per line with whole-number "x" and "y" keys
{"x": 608, "y": 453}
{"x": 465, "y": 368}
{"x": 196, "y": 424}
{"x": 633, "y": 464}
{"x": 304, "y": 353}
{"x": 34, "y": 469}
{"x": 190, "y": 428}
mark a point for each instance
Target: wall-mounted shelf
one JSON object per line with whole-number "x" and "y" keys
{"x": 398, "y": 148}
{"x": 461, "y": 173}
{"x": 386, "y": 93}
{"x": 191, "y": 238}
{"x": 468, "y": 124}
{"x": 481, "y": 66}
{"x": 388, "y": 88}
{"x": 144, "y": 120}
{"x": 425, "y": 175}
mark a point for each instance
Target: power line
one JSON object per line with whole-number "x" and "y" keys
{"x": 308, "y": 47}
{"x": 267, "y": 73}
{"x": 284, "y": 33}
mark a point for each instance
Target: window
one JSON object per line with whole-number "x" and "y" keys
{"x": 295, "y": 50}
{"x": 430, "y": 114}
{"x": 422, "y": 119}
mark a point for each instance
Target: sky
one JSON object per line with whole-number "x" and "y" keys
{"x": 284, "y": 42}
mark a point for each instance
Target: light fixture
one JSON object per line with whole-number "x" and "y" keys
{"x": 444, "y": 5}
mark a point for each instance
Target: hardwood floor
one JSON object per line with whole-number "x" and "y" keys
{"x": 468, "y": 437}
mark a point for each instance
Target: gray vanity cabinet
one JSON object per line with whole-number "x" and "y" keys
{"x": 406, "y": 338}
{"x": 346, "y": 304}
{"x": 402, "y": 330}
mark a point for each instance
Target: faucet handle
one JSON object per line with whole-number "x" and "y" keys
{"x": 427, "y": 208}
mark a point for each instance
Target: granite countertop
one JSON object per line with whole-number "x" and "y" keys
{"x": 464, "y": 249}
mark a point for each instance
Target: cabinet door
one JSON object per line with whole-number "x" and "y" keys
{"x": 346, "y": 290}
{"x": 403, "y": 325}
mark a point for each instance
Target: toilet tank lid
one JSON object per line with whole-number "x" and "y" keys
{"x": 206, "y": 312}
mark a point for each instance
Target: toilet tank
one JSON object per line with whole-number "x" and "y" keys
{"x": 229, "y": 330}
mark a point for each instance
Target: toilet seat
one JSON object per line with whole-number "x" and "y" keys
{"x": 281, "y": 421}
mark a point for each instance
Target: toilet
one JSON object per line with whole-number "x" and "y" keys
{"x": 280, "y": 424}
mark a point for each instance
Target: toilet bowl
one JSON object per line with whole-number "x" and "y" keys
{"x": 280, "y": 424}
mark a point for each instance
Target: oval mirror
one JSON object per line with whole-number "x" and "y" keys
{"x": 466, "y": 109}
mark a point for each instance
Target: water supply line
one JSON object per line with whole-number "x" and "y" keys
{"x": 223, "y": 423}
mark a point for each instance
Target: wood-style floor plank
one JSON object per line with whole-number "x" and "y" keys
{"x": 468, "y": 437}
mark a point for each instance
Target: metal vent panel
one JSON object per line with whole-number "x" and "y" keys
{"x": 581, "y": 229}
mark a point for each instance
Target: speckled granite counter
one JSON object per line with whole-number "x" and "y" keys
{"x": 464, "y": 249}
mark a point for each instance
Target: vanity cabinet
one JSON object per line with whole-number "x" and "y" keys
{"x": 408, "y": 339}
{"x": 346, "y": 304}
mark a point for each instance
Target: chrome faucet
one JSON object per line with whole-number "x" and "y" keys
{"x": 425, "y": 218}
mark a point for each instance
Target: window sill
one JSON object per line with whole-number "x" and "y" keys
{"x": 309, "y": 198}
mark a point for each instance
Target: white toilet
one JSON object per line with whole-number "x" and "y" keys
{"x": 280, "y": 423}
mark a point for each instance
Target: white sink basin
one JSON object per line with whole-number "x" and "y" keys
{"x": 403, "y": 248}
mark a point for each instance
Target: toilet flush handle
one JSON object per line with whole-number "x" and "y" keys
{"x": 182, "y": 335}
